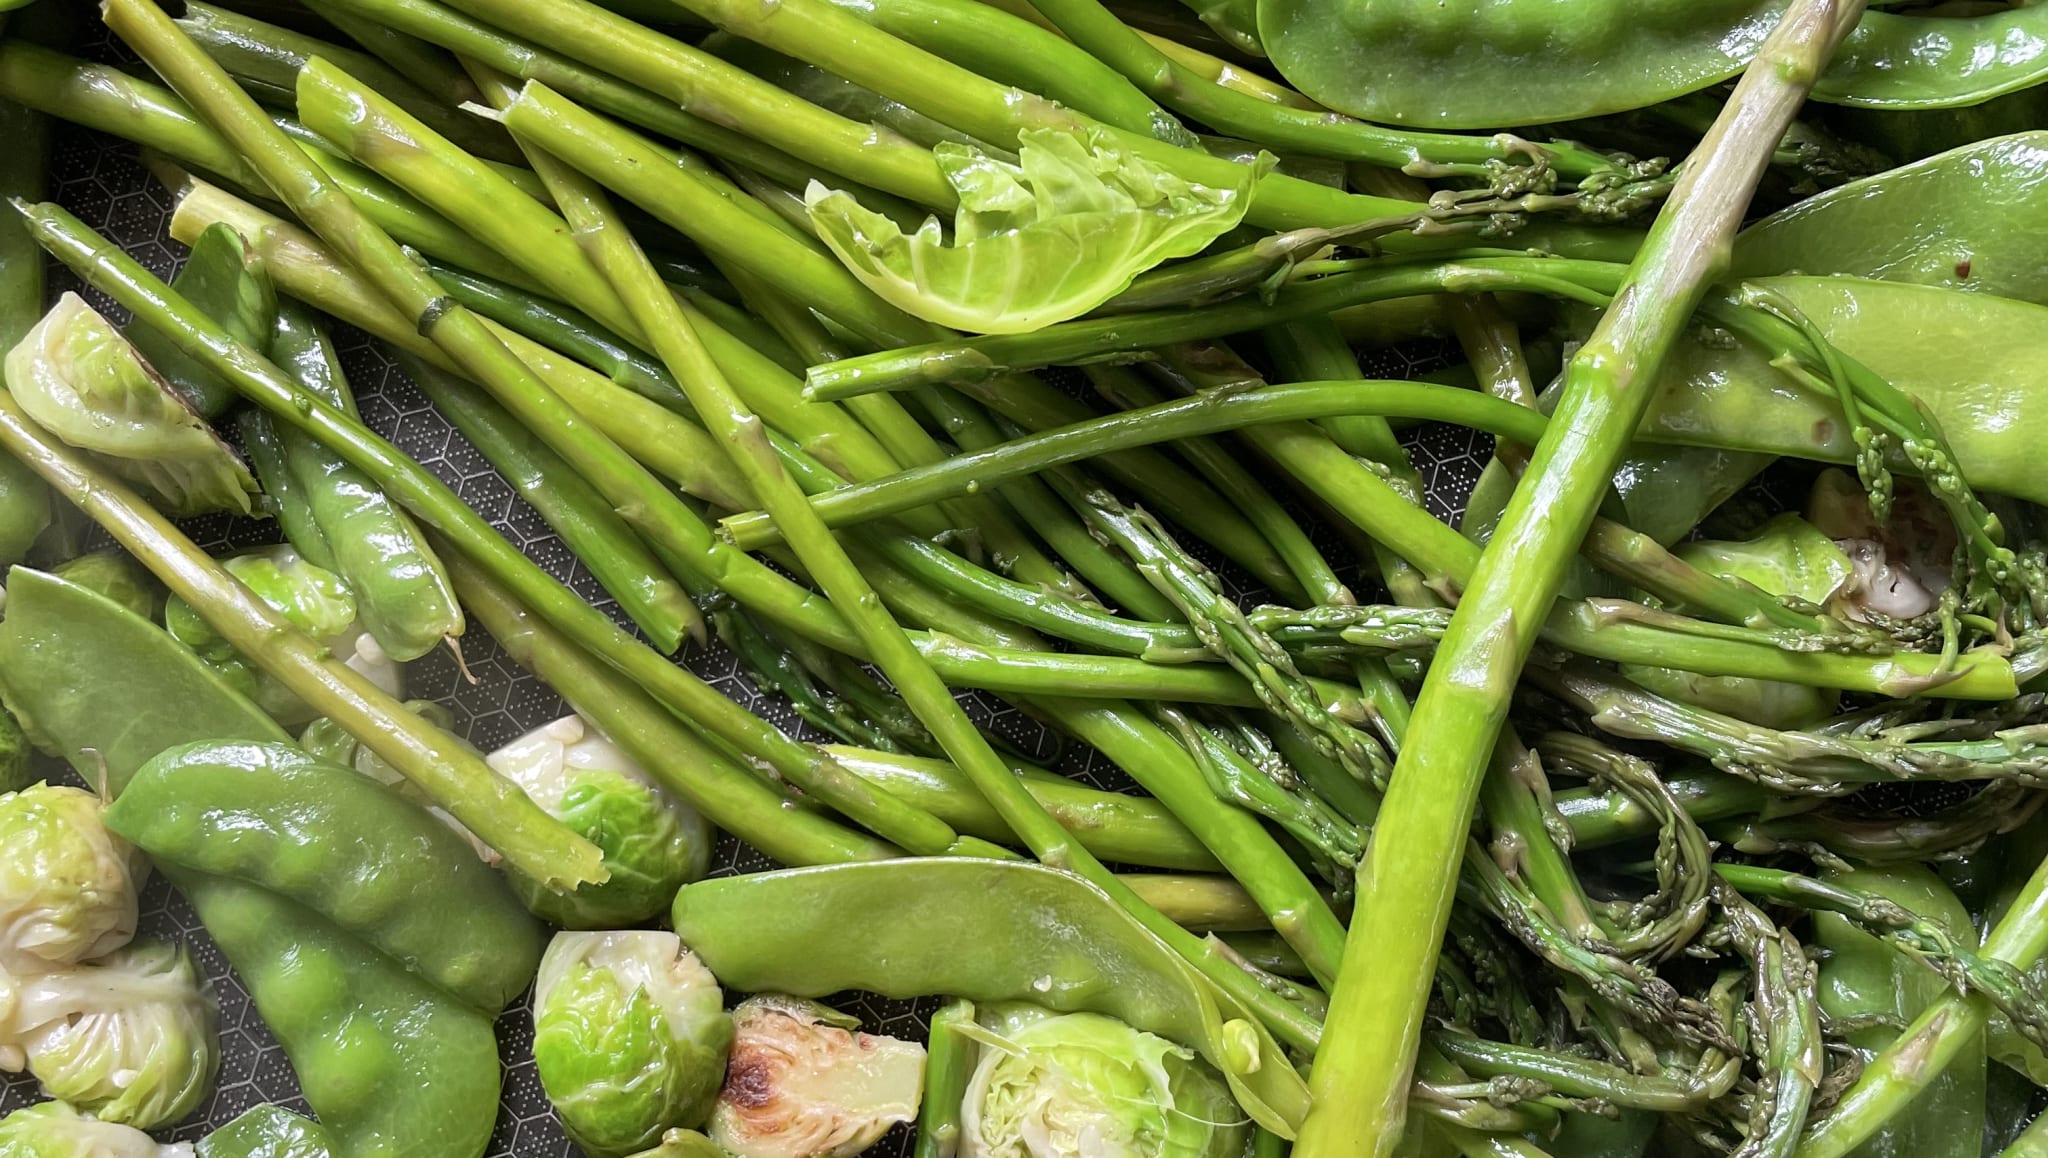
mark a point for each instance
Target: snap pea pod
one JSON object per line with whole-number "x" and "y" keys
{"x": 949, "y": 1060}
{"x": 602, "y": 540}
{"x": 450, "y": 774}
{"x": 400, "y": 587}
{"x": 1013, "y": 932}
{"x": 24, "y": 134}
{"x": 344, "y": 846}
{"x": 216, "y": 279}
{"x": 285, "y": 499}
{"x": 394, "y": 1067}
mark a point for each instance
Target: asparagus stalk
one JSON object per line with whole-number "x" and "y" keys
{"x": 451, "y": 775}
{"x": 1786, "y": 1014}
{"x": 1404, "y": 895}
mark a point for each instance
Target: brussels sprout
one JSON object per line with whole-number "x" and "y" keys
{"x": 67, "y": 885}
{"x": 803, "y": 1083}
{"x": 55, "y": 1130}
{"x": 653, "y": 843}
{"x": 115, "y": 575}
{"x": 78, "y": 378}
{"x": 629, "y": 1035}
{"x": 1065, "y": 1085}
{"x": 314, "y": 600}
{"x": 129, "y": 1039}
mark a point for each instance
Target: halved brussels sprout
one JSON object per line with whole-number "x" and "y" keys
{"x": 67, "y": 884}
{"x": 55, "y": 1130}
{"x": 116, "y": 575}
{"x": 314, "y": 600}
{"x": 130, "y": 1039}
{"x": 804, "y": 1083}
{"x": 1081, "y": 1084}
{"x": 653, "y": 843}
{"x": 629, "y": 1035}
{"x": 78, "y": 378}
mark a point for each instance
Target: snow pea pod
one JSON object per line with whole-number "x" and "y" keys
{"x": 987, "y": 931}
{"x": 1973, "y": 218}
{"x": 401, "y": 589}
{"x": 1864, "y": 979}
{"x": 346, "y": 847}
{"x": 394, "y": 1067}
{"x": 1972, "y": 358}
{"x": 1468, "y": 64}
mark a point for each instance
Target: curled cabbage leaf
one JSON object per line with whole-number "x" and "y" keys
{"x": 129, "y": 1039}
{"x": 78, "y": 378}
{"x": 653, "y": 843}
{"x": 1049, "y": 238}
{"x": 67, "y": 884}
{"x": 1081, "y": 1084}
{"x": 312, "y": 599}
{"x": 629, "y": 1035}
{"x": 803, "y": 1083}
{"x": 55, "y": 1130}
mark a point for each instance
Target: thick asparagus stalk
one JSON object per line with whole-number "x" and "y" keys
{"x": 1404, "y": 893}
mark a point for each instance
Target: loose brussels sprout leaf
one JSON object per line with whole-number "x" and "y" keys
{"x": 1081, "y": 1084}
{"x": 77, "y": 377}
{"x": 1044, "y": 240}
{"x": 310, "y": 598}
{"x": 129, "y": 1039}
{"x": 653, "y": 843}
{"x": 629, "y": 1035}
{"x": 67, "y": 885}
{"x": 55, "y": 1130}
{"x": 115, "y": 575}
{"x": 802, "y": 1084}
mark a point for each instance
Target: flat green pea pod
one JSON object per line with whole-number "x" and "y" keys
{"x": 653, "y": 843}
{"x": 393, "y": 1066}
{"x": 266, "y": 1132}
{"x": 1864, "y": 980}
{"x": 117, "y": 576}
{"x": 1046, "y": 239}
{"x": 215, "y": 278}
{"x": 1973, "y": 218}
{"x": 401, "y": 588}
{"x": 78, "y": 378}
{"x": 314, "y": 600}
{"x": 1971, "y": 358}
{"x": 344, "y": 846}
{"x": 55, "y": 1130}
{"x": 1468, "y": 64}
{"x": 986, "y": 931}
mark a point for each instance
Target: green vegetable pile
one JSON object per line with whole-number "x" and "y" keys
{"x": 1681, "y": 796}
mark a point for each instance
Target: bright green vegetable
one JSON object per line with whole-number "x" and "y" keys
{"x": 116, "y": 575}
{"x": 129, "y": 1039}
{"x": 55, "y": 1130}
{"x": 653, "y": 843}
{"x": 67, "y": 884}
{"x": 216, "y": 279}
{"x": 266, "y": 1132}
{"x": 630, "y": 1035}
{"x": 803, "y": 1082}
{"x": 1048, "y": 238}
{"x": 1067, "y": 1085}
{"x": 24, "y": 500}
{"x": 77, "y": 376}
{"x": 950, "y": 1058}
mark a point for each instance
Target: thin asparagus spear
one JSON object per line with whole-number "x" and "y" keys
{"x": 421, "y": 63}
{"x": 1404, "y": 896}
{"x": 1584, "y": 1078}
{"x": 450, "y": 774}
{"x": 1786, "y": 1013}
{"x": 602, "y": 540}
{"x": 2001, "y": 807}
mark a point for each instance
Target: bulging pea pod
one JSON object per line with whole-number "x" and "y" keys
{"x": 1867, "y": 984}
{"x": 78, "y": 378}
{"x": 215, "y": 278}
{"x": 344, "y": 846}
{"x": 401, "y": 588}
{"x": 267, "y": 1132}
{"x": 983, "y": 930}
{"x": 393, "y": 1066}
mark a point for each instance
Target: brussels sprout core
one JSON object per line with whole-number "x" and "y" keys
{"x": 803, "y": 1084}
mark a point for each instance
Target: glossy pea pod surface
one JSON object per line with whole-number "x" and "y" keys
{"x": 1472, "y": 64}
{"x": 346, "y": 847}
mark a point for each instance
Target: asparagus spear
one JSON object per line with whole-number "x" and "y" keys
{"x": 1404, "y": 894}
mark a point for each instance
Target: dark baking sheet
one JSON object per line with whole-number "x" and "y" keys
{"x": 97, "y": 177}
